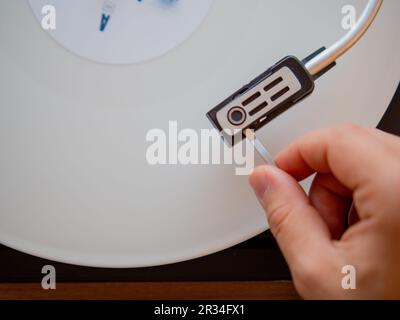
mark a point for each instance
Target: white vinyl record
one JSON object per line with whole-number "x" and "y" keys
{"x": 75, "y": 184}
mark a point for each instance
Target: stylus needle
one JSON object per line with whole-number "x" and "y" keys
{"x": 261, "y": 150}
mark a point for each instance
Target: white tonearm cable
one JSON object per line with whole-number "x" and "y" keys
{"x": 282, "y": 86}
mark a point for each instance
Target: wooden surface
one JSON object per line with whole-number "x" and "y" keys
{"x": 153, "y": 290}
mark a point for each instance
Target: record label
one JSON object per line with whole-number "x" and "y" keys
{"x": 120, "y": 31}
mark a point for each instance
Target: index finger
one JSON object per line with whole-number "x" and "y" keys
{"x": 349, "y": 152}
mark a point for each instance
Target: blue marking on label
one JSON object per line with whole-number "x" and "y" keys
{"x": 105, "y": 17}
{"x": 104, "y": 21}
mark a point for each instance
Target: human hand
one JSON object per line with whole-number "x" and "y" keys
{"x": 351, "y": 163}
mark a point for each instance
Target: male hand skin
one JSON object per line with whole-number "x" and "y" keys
{"x": 351, "y": 163}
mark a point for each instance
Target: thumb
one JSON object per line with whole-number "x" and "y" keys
{"x": 300, "y": 231}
